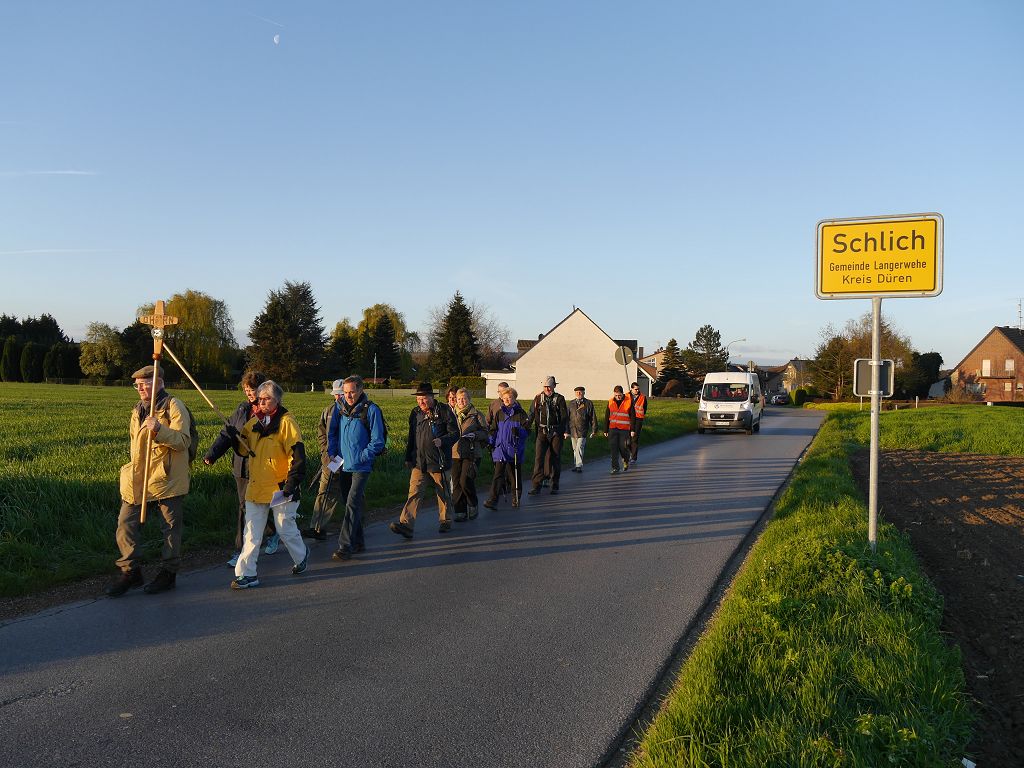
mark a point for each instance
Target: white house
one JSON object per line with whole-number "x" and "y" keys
{"x": 577, "y": 353}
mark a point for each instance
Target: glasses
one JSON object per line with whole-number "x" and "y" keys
{"x": 143, "y": 385}
{"x": 264, "y": 399}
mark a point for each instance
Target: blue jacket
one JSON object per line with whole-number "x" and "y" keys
{"x": 348, "y": 437}
{"x": 509, "y": 433}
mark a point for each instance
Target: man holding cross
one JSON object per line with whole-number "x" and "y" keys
{"x": 159, "y": 429}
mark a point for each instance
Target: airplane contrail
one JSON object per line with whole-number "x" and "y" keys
{"x": 269, "y": 21}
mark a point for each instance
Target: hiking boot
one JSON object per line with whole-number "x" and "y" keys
{"x": 342, "y": 554}
{"x": 554, "y": 491}
{"x": 300, "y": 567}
{"x": 401, "y": 529}
{"x": 533, "y": 491}
{"x": 313, "y": 533}
{"x": 163, "y": 582}
{"x": 461, "y": 517}
{"x": 472, "y": 513}
{"x": 491, "y": 503}
{"x": 245, "y": 582}
{"x": 273, "y": 543}
{"x": 444, "y": 527}
{"x": 625, "y": 466}
{"x": 127, "y": 580}
{"x": 614, "y": 471}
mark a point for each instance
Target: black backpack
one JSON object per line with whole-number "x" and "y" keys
{"x": 365, "y": 419}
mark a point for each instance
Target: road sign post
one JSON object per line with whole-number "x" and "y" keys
{"x": 872, "y": 258}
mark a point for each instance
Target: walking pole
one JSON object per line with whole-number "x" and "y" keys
{"x": 199, "y": 389}
{"x": 515, "y": 465}
{"x": 159, "y": 321}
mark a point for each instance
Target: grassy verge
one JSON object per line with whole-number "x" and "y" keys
{"x": 61, "y": 448}
{"x": 824, "y": 654}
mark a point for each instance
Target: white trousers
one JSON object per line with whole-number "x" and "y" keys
{"x": 578, "y": 445}
{"x": 256, "y": 521}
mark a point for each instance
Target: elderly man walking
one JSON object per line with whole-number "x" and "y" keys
{"x": 582, "y": 423}
{"x": 358, "y": 435}
{"x": 428, "y": 454}
{"x": 166, "y": 483}
{"x": 328, "y": 493}
{"x": 551, "y": 417}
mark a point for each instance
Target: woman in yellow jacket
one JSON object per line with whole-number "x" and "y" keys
{"x": 277, "y": 466}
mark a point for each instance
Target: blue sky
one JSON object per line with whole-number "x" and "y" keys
{"x": 660, "y": 165}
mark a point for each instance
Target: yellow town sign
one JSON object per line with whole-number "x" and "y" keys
{"x": 889, "y": 256}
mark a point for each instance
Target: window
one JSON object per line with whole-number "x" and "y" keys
{"x": 1007, "y": 386}
{"x": 1009, "y": 365}
{"x": 986, "y": 367}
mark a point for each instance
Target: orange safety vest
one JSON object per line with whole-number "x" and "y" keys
{"x": 618, "y": 413}
{"x": 641, "y": 406}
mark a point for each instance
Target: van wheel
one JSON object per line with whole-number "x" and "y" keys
{"x": 757, "y": 427}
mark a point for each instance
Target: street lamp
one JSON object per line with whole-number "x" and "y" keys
{"x": 734, "y": 341}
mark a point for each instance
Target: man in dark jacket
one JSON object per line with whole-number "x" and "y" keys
{"x": 551, "y": 417}
{"x": 582, "y": 424}
{"x": 428, "y": 454}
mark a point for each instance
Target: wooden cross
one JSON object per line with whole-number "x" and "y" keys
{"x": 159, "y": 321}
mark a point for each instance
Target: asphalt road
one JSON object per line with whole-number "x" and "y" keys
{"x": 525, "y": 638}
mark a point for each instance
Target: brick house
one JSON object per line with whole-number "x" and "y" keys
{"x": 994, "y": 369}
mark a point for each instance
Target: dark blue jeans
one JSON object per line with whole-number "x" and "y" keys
{"x": 353, "y": 485}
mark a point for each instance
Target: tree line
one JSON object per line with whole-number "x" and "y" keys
{"x": 832, "y": 365}
{"x": 288, "y": 342}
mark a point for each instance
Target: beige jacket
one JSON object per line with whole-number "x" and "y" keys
{"x": 168, "y": 467}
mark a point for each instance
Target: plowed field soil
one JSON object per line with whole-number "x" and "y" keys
{"x": 964, "y": 516}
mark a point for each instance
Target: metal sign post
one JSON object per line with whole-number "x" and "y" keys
{"x": 895, "y": 256}
{"x": 876, "y": 401}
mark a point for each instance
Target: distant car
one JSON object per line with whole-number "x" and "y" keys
{"x": 779, "y": 398}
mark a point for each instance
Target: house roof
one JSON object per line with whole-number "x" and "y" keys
{"x": 648, "y": 369}
{"x": 1014, "y": 335}
{"x": 559, "y": 323}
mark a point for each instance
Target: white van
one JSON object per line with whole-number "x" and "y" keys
{"x": 730, "y": 401}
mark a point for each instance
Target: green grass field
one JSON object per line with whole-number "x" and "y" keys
{"x": 62, "y": 446}
{"x": 824, "y": 654}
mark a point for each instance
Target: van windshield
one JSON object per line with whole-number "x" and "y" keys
{"x": 725, "y": 393}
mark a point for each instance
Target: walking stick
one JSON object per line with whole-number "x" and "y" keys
{"x": 159, "y": 321}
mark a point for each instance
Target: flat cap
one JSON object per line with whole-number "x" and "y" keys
{"x": 147, "y": 372}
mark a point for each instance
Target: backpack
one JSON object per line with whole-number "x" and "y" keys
{"x": 365, "y": 419}
{"x": 193, "y": 431}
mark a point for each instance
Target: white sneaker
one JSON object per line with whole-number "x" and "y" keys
{"x": 234, "y": 560}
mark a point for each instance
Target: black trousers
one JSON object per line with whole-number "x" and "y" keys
{"x": 464, "y": 482}
{"x": 618, "y": 441}
{"x": 508, "y": 478}
{"x": 547, "y": 458}
{"x": 634, "y": 443}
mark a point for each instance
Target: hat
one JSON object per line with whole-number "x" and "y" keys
{"x": 336, "y": 387}
{"x": 425, "y": 389}
{"x": 147, "y": 372}
{"x": 550, "y": 382}
{"x": 579, "y": 389}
